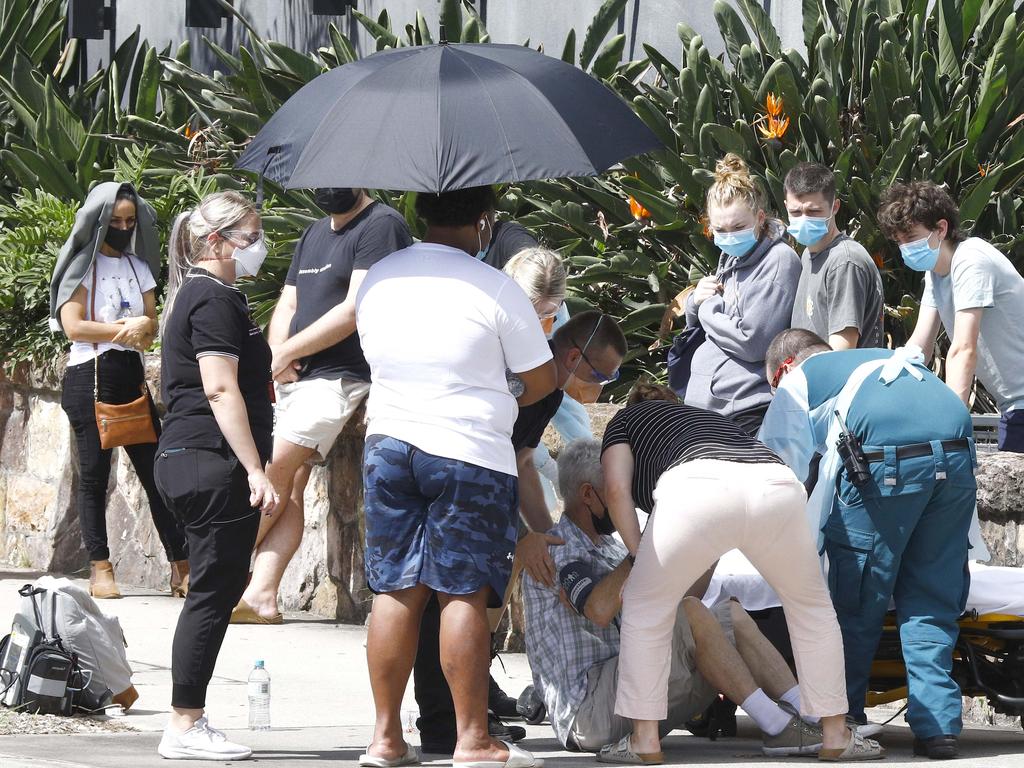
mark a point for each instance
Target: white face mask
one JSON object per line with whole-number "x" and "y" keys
{"x": 248, "y": 260}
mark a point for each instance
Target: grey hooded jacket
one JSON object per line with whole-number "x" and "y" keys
{"x": 87, "y": 235}
{"x": 727, "y": 372}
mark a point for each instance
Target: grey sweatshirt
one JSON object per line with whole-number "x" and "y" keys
{"x": 87, "y": 235}
{"x": 727, "y": 373}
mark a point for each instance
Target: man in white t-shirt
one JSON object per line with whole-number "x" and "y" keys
{"x": 439, "y": 330}
{"x": 972, "y": 290}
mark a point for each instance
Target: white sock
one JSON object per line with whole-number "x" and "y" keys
{"x": 792, "y": 697}
{"x": 770, "y": 718}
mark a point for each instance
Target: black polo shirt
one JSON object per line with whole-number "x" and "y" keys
{"x": 210, "y": 317}
{"x": 321, "y": 270}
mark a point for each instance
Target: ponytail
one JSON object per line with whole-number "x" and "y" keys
{"x": 179, "y": 261}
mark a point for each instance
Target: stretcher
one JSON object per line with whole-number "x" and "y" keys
{"x": 989, "y": 657}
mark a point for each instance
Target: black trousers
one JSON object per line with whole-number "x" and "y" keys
{"x": 430, "y": 687}
{"x": 208, "y": 491}
{"x": 121, "y": 376}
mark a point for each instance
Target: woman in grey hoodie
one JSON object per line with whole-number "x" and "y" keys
{"x": 102, "y": 297}
{"x": 745, "y": 304}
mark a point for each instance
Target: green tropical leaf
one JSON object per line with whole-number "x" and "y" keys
{"x": 451, "y": 20}
{"x": 569, "y": 47}
{"x": 762, "y": 26}
{"x": 734, "y": 34}
{"x": 602, "y": 23}
{"x": 382, "y": 34}
{"x": 609, "y": 57}
{"x": 979, "y": 196}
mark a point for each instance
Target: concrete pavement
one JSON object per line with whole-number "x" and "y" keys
{"x": 321, "y": 709}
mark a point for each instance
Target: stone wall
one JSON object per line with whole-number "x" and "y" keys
{"x": 39, "y": 517}
{"x": 39, "y": 523}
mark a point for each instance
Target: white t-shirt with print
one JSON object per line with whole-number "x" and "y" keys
{"x": 981, "y": 277}
{"x": 115, "y": 283}
{"x": 438, "y": 329}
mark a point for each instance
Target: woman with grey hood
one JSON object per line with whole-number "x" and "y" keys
{"x": 745, "y": 304}
{"x": 102, "y": 297}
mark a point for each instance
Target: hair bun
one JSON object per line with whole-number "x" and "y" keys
{"x": 731, "y": 167}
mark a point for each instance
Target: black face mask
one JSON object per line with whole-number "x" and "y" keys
{"x": 603, "y": 525}
{"x": 336, "y": 199}
{"x": 119, "y": 239}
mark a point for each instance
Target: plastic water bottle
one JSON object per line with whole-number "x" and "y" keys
{"x": 125, "y": 309}
{"x": 259, "y": 698}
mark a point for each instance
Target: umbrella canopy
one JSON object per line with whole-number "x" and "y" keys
{"x": 443, "y": 117}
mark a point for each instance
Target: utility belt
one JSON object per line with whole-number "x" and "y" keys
{"x": 856, "y": 459}
{"x": 915, "y": 450}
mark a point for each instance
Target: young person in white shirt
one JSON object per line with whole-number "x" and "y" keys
{"x": 972, "y": 291}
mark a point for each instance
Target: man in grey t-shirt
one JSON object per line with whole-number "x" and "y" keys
{"x": 839, "y": 296}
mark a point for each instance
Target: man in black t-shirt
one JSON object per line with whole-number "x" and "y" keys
{"x": 318, "y": 366}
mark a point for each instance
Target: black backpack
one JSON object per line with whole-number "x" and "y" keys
{"x": 47, "y": 677}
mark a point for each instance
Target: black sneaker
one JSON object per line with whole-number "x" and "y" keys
{"x": 531, "y": 706}
{"x": 945, "y": 747}
{"x": 502, "y": 731}
{"x": 434, "y": 744}
{"x": 500, "y": 703}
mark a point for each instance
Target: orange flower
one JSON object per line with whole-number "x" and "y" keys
{"x": 773, "y": 105}
{"x": 776, "y": 129}
{"x": 189, "y": 133}
{"x": 879, "y": 258}
{"x": 638, "y": 211}
{"x": 984, "y": 169}
{"x": 705, "y": 224}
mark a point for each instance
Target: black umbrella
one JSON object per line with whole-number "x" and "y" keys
{"x": 442, "y": 117}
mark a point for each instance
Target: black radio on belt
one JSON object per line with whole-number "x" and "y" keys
{"x": 849, "y": 449}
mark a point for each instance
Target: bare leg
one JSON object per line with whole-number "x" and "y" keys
{"x": 465, "y": 659}
{"x": 281, "y": 533}
{"x": 717, "y": 660}
{"x": 390, "y": 651}
{"x": 769, "y": 669}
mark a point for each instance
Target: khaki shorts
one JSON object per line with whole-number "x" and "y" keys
{"x": 312, "y": 412}
{"x": 596, "y": 723}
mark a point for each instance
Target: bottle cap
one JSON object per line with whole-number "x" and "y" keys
{"x": 259, "y": 663}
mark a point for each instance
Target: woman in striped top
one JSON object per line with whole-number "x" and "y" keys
{"x": 710, "y": 488}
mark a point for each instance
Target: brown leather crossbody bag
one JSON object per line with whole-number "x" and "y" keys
{"x": 127, "y": 423}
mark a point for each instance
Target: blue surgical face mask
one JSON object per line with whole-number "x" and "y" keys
{"x": 919, "y": 255}
{"x": 736, "y": 243}
{"x": 808, "y": 230}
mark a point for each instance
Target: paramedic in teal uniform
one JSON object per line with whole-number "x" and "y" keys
{"x": 903, "y": 533}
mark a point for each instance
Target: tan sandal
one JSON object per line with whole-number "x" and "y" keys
{"x": 859, "y": 748}
{"x": 621, "y": 753}
{"x": 244, "y": 613}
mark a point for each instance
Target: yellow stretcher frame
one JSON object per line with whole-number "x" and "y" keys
{"x": 988, "y": 662}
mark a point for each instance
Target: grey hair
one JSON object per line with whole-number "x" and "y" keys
{"x": 579, "y": 463}
{"x": 215, "y": 212}
{"x": 539, "y": 272}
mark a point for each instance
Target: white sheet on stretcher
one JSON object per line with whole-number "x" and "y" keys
{"x": 994, "y": 589}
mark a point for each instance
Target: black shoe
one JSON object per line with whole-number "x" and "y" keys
{"x": 531, "y": 706}
{"x": 719, "y": 719}
{"x": 503, "y": 731}
{"x": 500, "y": 703}
{"x": 944, "y": 747}
{"x": 435, "y": 744}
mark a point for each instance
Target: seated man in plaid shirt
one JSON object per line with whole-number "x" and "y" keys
{"x": 572, "y": 636}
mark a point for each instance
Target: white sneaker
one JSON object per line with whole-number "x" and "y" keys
{"x": 200, "y": 742}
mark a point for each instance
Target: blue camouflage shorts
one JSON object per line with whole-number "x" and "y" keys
{"x": 444, "y": 523}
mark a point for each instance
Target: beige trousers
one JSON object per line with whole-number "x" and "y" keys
{"x": 702, "y": 510}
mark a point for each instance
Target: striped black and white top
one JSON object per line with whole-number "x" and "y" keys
{"x": 662, "y": 434}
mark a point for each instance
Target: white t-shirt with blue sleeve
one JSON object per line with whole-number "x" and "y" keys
{"x": 981, "y": 277}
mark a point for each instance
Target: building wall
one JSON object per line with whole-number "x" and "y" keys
{"x": 542, "y": 22}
